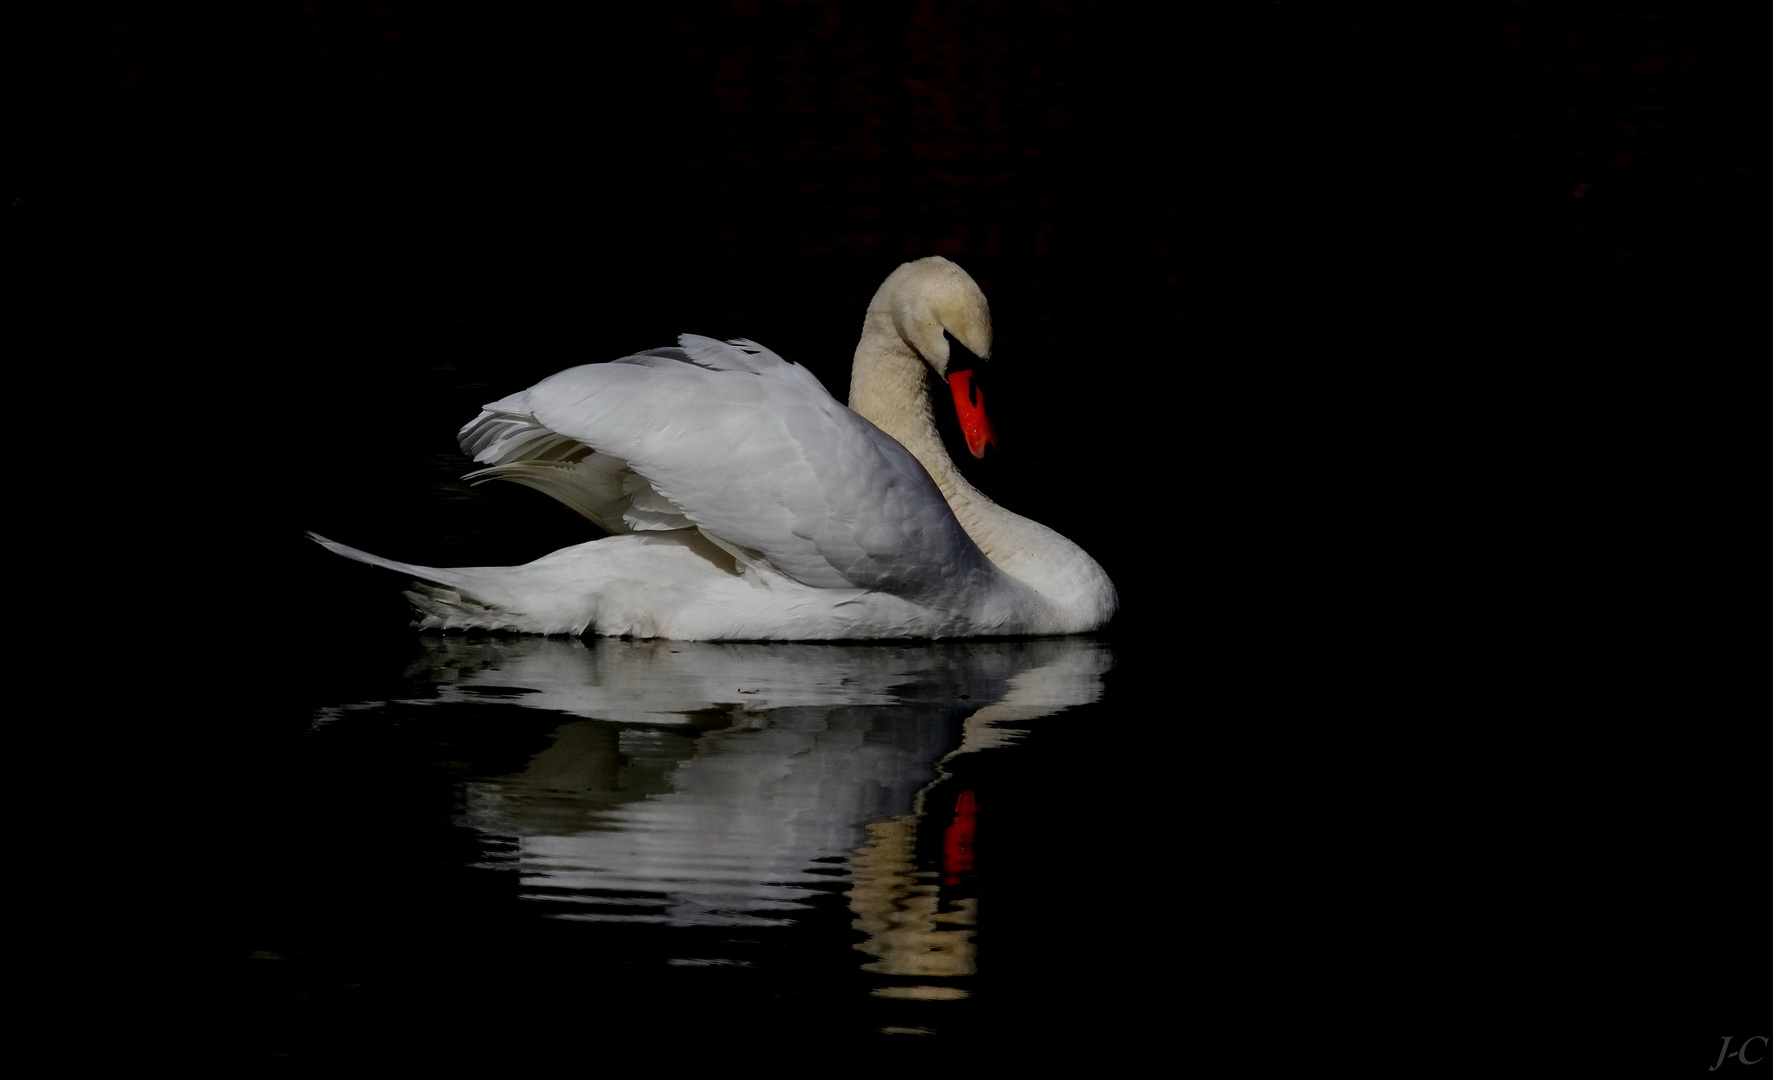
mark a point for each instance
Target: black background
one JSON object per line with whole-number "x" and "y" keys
{"x": 1299, "y": 294}
{"x": 1374, "y": 348}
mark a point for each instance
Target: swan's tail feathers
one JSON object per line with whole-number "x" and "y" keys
{"x": 437, "y": 594}
{"x": 476, "y": 597}
{"x": 443, "y": 608}
{"x": 437, "y": 575}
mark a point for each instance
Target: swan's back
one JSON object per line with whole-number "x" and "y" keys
{"x": 751, "y": 451}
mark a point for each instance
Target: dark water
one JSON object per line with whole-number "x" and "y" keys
{"x": 752, "y": 842}
{"x": 529, "y": 853}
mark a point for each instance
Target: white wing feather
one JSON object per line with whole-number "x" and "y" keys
{"x": 749, "y": 448}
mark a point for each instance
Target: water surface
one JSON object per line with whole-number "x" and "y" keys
{"x": 759, "y": 842}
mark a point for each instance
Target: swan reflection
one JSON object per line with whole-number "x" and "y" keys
{"x": 734, "y": 785}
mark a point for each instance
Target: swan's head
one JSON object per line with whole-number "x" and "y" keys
{"x": 940, "y": 311}
{"x": 936, "y": 306}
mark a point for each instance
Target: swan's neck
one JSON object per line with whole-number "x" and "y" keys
{"x": 888, "y": 388}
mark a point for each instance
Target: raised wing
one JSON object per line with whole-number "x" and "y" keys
{"x": 750, "y": 449}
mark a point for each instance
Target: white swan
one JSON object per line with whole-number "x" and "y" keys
{"x": 745, "y": 503}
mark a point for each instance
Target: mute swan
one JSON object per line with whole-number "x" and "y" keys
{"x": 745, "y": 503}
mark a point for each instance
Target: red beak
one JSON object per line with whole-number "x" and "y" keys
{"x": 969, "y": 405}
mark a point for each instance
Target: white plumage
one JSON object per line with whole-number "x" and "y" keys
{"x": 745, "y": 503}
